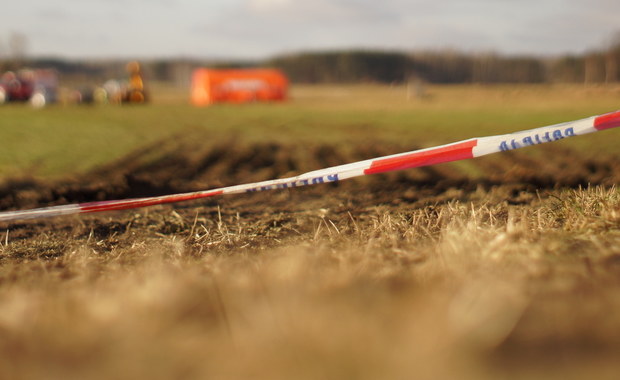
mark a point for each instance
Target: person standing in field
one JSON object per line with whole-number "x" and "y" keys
{"x": 135, "y": 90}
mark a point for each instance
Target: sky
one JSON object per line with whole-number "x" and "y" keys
{"x": 256, "y": 29}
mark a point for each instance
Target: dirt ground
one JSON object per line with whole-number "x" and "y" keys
{"x": 518, "y": 176}
{"x": 363, "y": 243}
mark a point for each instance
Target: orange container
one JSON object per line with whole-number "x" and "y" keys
{"x": 237, "y": 86}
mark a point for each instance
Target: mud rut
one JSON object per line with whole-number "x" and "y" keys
{"x": 515, "y": 177}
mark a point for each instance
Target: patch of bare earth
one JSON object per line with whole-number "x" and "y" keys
{"x": 426, "y": 273}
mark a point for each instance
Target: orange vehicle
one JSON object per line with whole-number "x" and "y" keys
{"x": 237, "y": 86}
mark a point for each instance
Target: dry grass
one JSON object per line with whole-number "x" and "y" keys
{"x": 476, "y": 289}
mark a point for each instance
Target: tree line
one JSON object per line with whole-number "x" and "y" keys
{"x": 355, "y": 66}
{"x": 448, "y": 67}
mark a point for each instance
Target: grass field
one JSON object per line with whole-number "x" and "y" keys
{"x": 65, "y": 140}
{"x": 507, "y": 266}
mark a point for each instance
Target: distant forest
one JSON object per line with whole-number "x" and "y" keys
{"x": 367, "y": 66}
{"x": 448, "y": 67}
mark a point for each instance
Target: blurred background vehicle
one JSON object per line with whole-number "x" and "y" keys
{"x": 38, "y": 87}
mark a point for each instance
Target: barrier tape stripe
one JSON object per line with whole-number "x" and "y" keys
{"x": 460, "y": 150}
{"x": 452, "y": 152}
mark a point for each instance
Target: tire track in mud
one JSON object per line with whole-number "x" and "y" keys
{"x": 184, "y": 166}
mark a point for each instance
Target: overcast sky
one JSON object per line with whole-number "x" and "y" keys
{"x": 263, "y": 28}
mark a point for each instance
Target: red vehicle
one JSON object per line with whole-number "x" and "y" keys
{"x": 35, "y": 86}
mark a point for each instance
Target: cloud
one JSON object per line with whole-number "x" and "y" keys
{"x": 326, "y": 11}
{"x": 268, "y": 5}
{"x": 259, "y": 28}
{"x": 273, "y": 26}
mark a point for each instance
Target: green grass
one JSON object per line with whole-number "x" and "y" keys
{"x": 69, "y": 139}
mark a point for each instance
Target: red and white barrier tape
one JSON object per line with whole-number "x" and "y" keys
{"x": 461, "y": 150}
